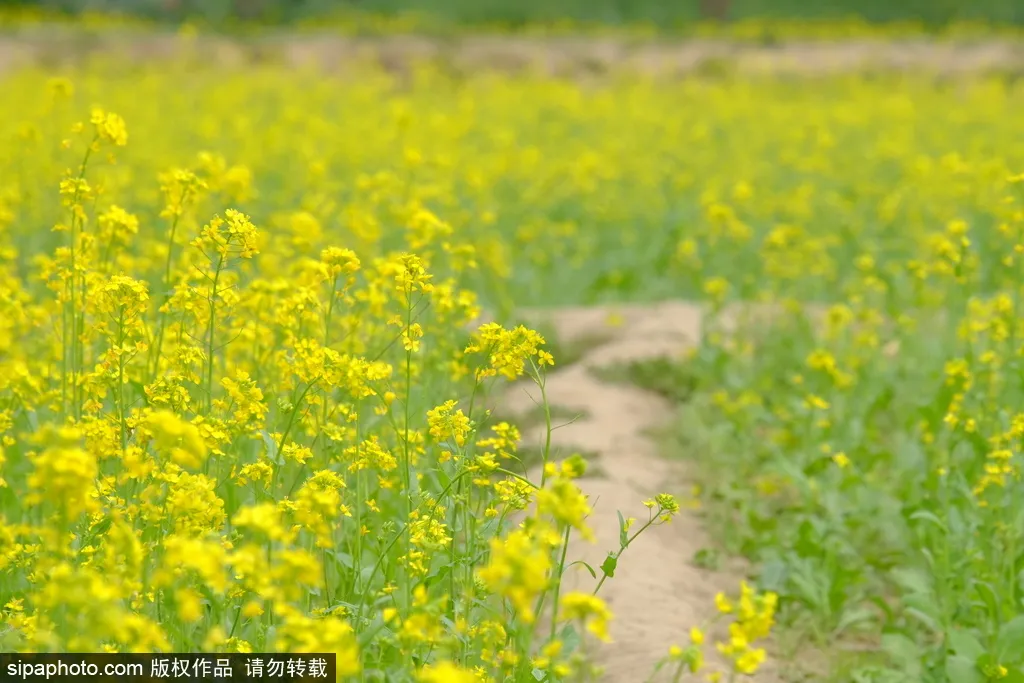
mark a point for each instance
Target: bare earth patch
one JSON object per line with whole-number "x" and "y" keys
{"x": 576, "y": 56}
{"x": 658, "y": 592}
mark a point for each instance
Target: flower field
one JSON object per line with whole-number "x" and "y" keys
{"x": 246, "y": 394}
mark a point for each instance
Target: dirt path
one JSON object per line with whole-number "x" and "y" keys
{"x": 657, "y": 593}
{"x": 560, "y": 55}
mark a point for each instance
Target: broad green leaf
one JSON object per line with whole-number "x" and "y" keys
{"x": 773, "y": 575}
{"x": 988, "y": 596}
{"x": 1013, "y": 675}
{"x": 343, "y": 559}
{"x": 913, "y": 580}
{"x": 922, "y": 606}
{"x": 100, "y": 528}
{"x": 570, "y": 638}
{"x": 808, "y": 590}
{"x": 853, "y": 617}
{"x": 1010, "y": 644}
{"x": 271, "y": 448}
{"x": 964, "y": 643}
{"x": 609, "y": 564}
{"x": 960, "y": 669}
{"x": 904, "y": 652}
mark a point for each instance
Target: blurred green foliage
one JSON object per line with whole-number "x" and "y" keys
{"x": 663, "y": 13}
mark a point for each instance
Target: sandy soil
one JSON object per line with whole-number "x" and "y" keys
{"x": 657, "y": 593}
{"x": 555, "y": 55}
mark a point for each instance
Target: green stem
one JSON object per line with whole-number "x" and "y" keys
{"x": 291, "y": 418}
{"x": 401, "y": 532}
{"x": 406, "y": 459}
{"x": 210, "y": 335}
{"x": 558, "y": 583}
{"x": 120, "y": 378}
{"x": 158, "y": 346}
{"x": 542, "y": 383}
{"x": 330, "y": 311}
{"x": 357, "y": 558}
{"x": 75, "y": 331}
{"x": 327, "y": 582}
{"x": 64, "y": 361}
{"x": 629, "y": 540}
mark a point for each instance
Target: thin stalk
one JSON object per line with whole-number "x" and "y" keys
{"x": 120, "y": 378}
{"x": 558, "y": 583}
{"x": 542, "y": 383}
{"x": 158, "y": 346}
{"x": 64, "y": 361}
{"x": 75, "y": 339}
{"x": 327, "y": 338}
{"x": 629, "y": 540}
{"x": 357, "y": 559}
{"x": 210, "y": 335}
{"x": 406, "y": 458}
{"x": 391, "y": 544}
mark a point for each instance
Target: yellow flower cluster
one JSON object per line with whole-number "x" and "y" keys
{"x": 246, "y": 407}
{"x": 754, "y": 616}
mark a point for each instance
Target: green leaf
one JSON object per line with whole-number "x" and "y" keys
{"x": 609, "y": 564}
{"x": 853, "y": 617}
{"x": 367, "y": 635}
{"x": 965, "y": 644}
{"x": 623, "y": 536}
{"x": 1010, "y": 644}
{"x": 882, "y": 401}
{"x": 774, "y": 575}
{"x": 963, "y": 670}
{"x": 100, "y": 528}
{"x": 904, "y": 652}
{"x": 453, "y": 630}
{"x": 271, "y": 447}
{"x": 343, "y": 559}
{"x": 923, "y": 608}
{"x": 1014, "y": 675}
{"x": 658, "y": 667}
{"x": 883, "y": 606}
{"x": 589, "y": 568}
{"x": 987, "y": 662}
{"x": 807, "y": 590}
{"x": 707, "y": 558}
{"x": 539, "y": 674}
{"x": 924, "y": 619}
{"x": 439, "y": 576}
{"x": 570, "y": 638}
{"x": 913, "y": 580}
{"x": 928, "y": 516}
{"x": 988, "y": 596}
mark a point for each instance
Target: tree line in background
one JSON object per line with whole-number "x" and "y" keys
{"x": 665, "y": 13}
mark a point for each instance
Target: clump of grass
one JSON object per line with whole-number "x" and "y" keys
{"x": 670, "y": 379}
